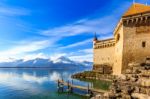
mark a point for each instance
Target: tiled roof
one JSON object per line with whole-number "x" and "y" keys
{"x": 137, "y": 8}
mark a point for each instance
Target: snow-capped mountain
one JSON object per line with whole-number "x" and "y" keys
{"x": 63, "y": 59}
{"x": 60, "y": 62}
{"x": 86, "y": 63}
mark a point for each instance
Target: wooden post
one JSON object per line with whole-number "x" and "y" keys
{"x": 68, "y": 87}
{"x": 58, "y": 83}
{"x": 72, "y": 81}
{"x": 62, "y": 85}
{"x": 68, "y": 84}
{"x": 88, "y": 89}
{"x": 62, "y": 80}
{"x": 71, "y": 87}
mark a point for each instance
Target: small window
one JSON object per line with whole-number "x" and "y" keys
{"x": 117, "y": 37}
{"x": 143, "y": 44}
{"x": 147, "y": 58}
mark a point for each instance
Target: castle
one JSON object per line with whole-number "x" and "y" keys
{"x": 130, "y": 42}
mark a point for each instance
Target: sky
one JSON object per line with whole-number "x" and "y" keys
{"x": 52, "y": 28}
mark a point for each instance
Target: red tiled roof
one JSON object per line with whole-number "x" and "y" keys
{"x": 137, "y": 8}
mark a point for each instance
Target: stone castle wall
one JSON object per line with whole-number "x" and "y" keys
{"x": 118, "y": 51}
{"x": 136, "y": 44}
{"x": 104, "y": 53}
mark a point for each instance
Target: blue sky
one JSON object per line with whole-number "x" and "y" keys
{"x": 53, "y": 28}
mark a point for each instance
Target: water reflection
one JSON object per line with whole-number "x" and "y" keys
{"x": 29, "y": 83}
{"x": 11, "y": 77}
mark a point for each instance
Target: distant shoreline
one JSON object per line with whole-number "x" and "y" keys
{"x": 37, "y": 67}
{"x": 25, "y": 67}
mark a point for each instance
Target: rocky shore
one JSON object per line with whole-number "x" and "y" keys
{"x": 134, "y": 84}
{"x": 93, "y": 75}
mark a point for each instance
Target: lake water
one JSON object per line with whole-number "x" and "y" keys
{"x": 39, "y": 84}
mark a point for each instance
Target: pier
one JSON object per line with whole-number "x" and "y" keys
{"x": 71, "y": 86}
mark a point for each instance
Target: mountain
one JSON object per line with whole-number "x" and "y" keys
{"x": 64, "y": 60}
{"x": 61, "y": 62}
{"x": 86, "y": 63}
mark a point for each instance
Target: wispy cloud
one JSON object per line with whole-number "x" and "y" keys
{"x": 104, "y": 27}
{"x": 54, "y": 56}
{"x": 77, "y": 44}
{"x": 11, "y": 11}
{"x": 89, "y": 51}
{"x": 101, "y": 25}
{"x": 26, "y": 47}
{"x": 34, "y": 56}
{"x": 83, "y": 57}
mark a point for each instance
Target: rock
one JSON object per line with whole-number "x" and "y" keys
{"x": 145, "y": 82}
{"x": 140, "y": 96}
{"x": 125, "y": 96}
{"x": 137, "y": 89}
{"x": 133, "y": 64}
{"x": 123, "y": 77}
{"x": 128, "y": 71}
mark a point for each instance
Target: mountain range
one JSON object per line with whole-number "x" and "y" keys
{"x": 61, "y": 62}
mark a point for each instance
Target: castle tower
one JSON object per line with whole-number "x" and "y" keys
{"x": 130, "y": 44}
{"x": 132, "y": 36}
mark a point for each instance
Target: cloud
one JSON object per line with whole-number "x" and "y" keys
{"x": 79, "y": 55}
{"x": 11, "y": 11}
{"x": 34, "y": 56}
{"x": 77, "y": 44}
{"x": 101, "y": 25}
{"x": 54, "y": 56}
{"x": 29, "y": 46}
{"x": 83, "y": 57}
{"x": 90, "y": 50}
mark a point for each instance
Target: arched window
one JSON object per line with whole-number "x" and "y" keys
{"x": 117, "y": 37}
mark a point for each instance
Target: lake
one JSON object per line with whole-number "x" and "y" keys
{"x": 40, "y": 83}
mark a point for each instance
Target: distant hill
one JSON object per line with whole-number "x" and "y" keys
{"x": 61, "y": 62}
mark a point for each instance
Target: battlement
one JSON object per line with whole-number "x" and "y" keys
{"x": 135, "y": 15}
{"x": 137, "y": 18}
{"x": 104, "y": 43}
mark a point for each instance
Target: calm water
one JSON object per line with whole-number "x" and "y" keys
{"x": 37, "y": 84}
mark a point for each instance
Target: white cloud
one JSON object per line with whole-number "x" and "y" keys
{"x": 10, "y": 11}
{"x": 25, "y": 48}
{"x": 90, "y": 50}
{"x": 83, "y": 57}
{"x": 77, "y": 44}
{"x": 101, "y": 25}
{"x": 80, "y": 55}
{"x": 34, "y": 56}
{"x": 6, "y": 59}
{"x": 54, "y": 56}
